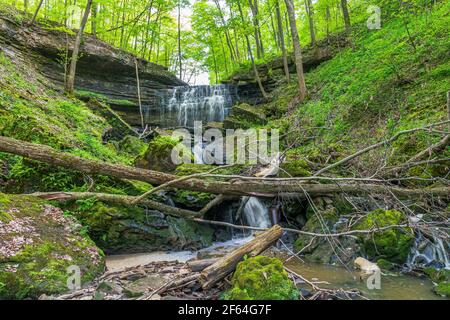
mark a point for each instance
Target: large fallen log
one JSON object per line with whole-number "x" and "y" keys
{"x": 118, "y": 199}
{"x": 269, "y": 188}
{"x": 227, "y": 264}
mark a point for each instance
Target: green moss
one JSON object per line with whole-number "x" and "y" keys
{"x": 393, "y": 244}
{"x": 437, "y": 275}
{"x": 385, "y": 265}
{"x": 158, "y": 155}
{"x": 50, "y": 244}
{"x": 120, "y": 229}
{"x": 261, "y": 278}
{"x": 443, "y": 289}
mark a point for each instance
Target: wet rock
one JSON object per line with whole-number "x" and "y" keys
{"x": 120, "y": 229}
{"x": 393, "y": 245}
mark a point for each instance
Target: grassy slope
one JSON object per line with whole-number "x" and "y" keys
{"x": 379, "y": 87}
{"x": 31, "y": 110}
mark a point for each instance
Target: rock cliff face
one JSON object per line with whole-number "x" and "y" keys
{"x": 101, "y": 70}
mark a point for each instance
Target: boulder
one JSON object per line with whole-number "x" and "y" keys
{"x": 158, "y": 155}
{"x": 394, "y": 244}
{"x": 120, "y": 229}
{"x": 261, "y": 278}
{"x": 38, "y": 243}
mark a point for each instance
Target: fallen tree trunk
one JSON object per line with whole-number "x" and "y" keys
{"x": 118, "y": 199}
{"x": 227, "y": 264}
{"x": 264, "y": 188}
{"x": 200, "y": 265}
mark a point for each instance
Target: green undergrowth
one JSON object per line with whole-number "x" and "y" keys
{"x": 383, "y": 84}
{"x": 31, "y": 110}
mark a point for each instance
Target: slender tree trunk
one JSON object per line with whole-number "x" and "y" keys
{"x": 179, "y": 41}
{"x": 255, "y": 12}
{"x": 73, "y": 62}
{"x": 250, "y": 53}
{"x": 281, "y": 38}
{"x": 297, "y": 50}
{"x": 94, "y": 19}
{"x": 25, "y": 6}
{"x": 275, "y": 33}
{"x": 344, "y": 7}
{"x": 310, "y": 12}
{"x": 37, "y": 12}
{"x": 328, "y": 18}
{"x": 226, "y": 31}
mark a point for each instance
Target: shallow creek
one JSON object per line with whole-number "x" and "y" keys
{"x": 393, "y": 286}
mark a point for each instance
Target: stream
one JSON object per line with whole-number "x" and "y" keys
{"x": 393, "y": 286}
{"x": 181, "y": 107}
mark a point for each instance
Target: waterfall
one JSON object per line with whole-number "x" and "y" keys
{"x": 425, "y": 253}
{"x": 256, "y": 213}
{"x": 198, "y": 153}
{"x": 181, "y": 106}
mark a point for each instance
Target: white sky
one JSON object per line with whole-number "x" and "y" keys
{"x": 186, "y": 14}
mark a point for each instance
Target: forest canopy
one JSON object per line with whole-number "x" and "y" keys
{"x": 193, "y": 37}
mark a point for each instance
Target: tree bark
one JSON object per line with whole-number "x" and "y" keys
{"x": 37, "y": 12}
{"x": 179, "y": 41}
{"x": 344, "y": 7}
{"x": 255, "y": 13}
{"x": 118, "y": 199}
{"x": 239, "y": 187}
{"x": 219, "y": 270}
{"x": 297, "y": 50}
{"x": 250, "y": 54}
{"x": 70, "y": 84}
{"x": 310, "y": 12}
{"x": 281, "y": 38}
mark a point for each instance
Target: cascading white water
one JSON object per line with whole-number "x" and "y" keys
{"x": 182, "y": 106}
{"x": 427, "y": 252}
{"x": 256, "y": 213}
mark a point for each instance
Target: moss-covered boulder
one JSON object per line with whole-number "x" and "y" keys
{"x": 38, "y": 244}
{"x": 393, "y": 244}
{"x": 261, "y": 278}
{"x": 125, "y": 229}
{"x": 158, "y": 155}
{"x": 319, "y": 249}
{"x": 441, "y": 278}
{"x": 443, "y": 289}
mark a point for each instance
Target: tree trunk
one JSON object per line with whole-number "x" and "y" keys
{"x": 219, "y": 270}
{"x": 310, "y": 12}
{"x": 238, "y": 187}
{"x": 119, "y": 199}
{"x": 255, "y": 12}
{"x": 70, "y": 84}
{"x": 94, "y": 19}
{"x": 179, "y": 41}
{"x": 282, "y": 44}
{"x": 37, "y": 12}
{"x": 226, "y": 31}
{"x": 250, "y": 54}
{"x": 297, "y": 50}
{"x": 344, "y": 7}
